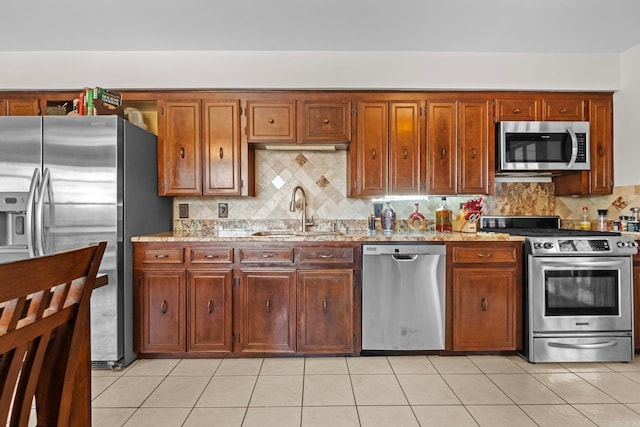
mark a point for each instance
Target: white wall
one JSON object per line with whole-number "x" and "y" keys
{"x": 241, "y": 69}
{"x": 626, "y": 107}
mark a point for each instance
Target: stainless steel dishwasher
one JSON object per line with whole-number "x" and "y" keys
{"x": 403, "y": 296}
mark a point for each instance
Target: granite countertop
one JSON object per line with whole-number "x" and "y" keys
{"x": 290, "y": 236}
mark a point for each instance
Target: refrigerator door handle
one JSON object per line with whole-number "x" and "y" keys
{"x": 29, "y": 217}
{"x": 39, "y": 220}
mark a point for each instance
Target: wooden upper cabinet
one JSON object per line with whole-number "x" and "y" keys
{"x": 474, "y": 150}
{"x": 601, "y": 140}
{"x": 179, "y": 148}
{"x": 442, "y": 117}
{"x": 372, "y": 149}
{"x": 271, "y": 121}
{"x": 563, "y": 109}
{"x": 221, "y": 147}
{"x": 516, "y": 109}
{"x": 324, "y": 121}
{"x": 404, "y": 148}
{"x": 18, "y": 107}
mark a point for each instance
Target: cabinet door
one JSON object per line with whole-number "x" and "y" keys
{"x": 325, "y": 311}
{"x": 325, "y": 121}
{"x": 442, "y": 147}
{"x": 209, "y": 318}
{"x": 221, "y": 148}
{"x": 474, "y": 148}
{"x": 484, "y": 309}
{"x": 179, "y": 148}
{"x": 563, "y": 109}
{"x": 516, "y": 109}
{"x": 372, "y": 149}
{"x": 404, "y": 149}
{"x": 601, "y": 135}
{"x": 271, "y": 121}
{"x": 269, "y": 317}
{"x": 162, "y": 314}
{"x": 22, "y": 107}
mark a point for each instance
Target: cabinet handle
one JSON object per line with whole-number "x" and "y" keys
{"x": 325, "y": 256}
{"x": 326, "y": 121}
{"x": 481, "y": 255}
{"x": 443, "y": 153}
{"x": 211, "y": 256}
{"x": 210, "y": 306}
{"x": 164, "y": 306}
{"x": 182, "y": 152}
{"x": 373, "y": 154}
{"x": 563, "y": 110}
{"x": 405, "y": 154}
{"x": 271, "y": 121}
{"x": 324, "y": 305}
{"x": 473, "y": 153}
{"x": 266, "y": 254}
{"x": 516, "y": 111}
{"x": 600, "y": 151}
{"x": 162, "y": 256}
{"x": 484, "y": 304}
{"x": 268, "y": 306}
{"x": 221, "y": 153}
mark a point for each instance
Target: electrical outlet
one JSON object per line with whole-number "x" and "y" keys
{"x": 223, "y": 210}
{"x": 183, "y": 210}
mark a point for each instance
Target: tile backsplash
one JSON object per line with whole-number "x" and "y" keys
{"x": 323, "y": 177}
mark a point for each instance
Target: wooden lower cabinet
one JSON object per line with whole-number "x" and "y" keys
{"x": 269, "y": 311}
{"x": 209, "y": 310}
{"x": 325, "y": 311}
{"x": 484, "y": 309}
{"x": 162, "y": 308}
{"x": 636, "y": 301}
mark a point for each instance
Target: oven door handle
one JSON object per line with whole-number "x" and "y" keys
{"x": 575, "y": 263}
{"x": 595, "y": 345}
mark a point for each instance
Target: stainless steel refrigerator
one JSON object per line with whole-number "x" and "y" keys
{"x": 69, "y": 181}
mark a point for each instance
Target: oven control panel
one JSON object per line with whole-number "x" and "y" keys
{"x": 610, "y": 245}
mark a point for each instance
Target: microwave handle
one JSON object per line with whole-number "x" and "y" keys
{"x": 574, "y": 147}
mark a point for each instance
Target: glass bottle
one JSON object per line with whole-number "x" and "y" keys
{"x": 416, "y": 220}
{"x": 388, "y": 218}
{"x": 443, "y": 217}
{"x": 603, "y": 223}
{"x": 585, "y": 224}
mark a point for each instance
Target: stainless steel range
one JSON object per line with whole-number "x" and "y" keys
{"x": 578, "y": 296}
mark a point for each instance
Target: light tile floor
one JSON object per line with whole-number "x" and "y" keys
{"x": 398, "y": 391}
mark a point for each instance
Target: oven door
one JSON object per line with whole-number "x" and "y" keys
{"x": 580, "y": 294}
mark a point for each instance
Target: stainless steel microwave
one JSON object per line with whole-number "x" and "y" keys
{"x": 542, "y": 146}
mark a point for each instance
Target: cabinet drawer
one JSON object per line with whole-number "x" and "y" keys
{"x": 163, "y": 256}
{"x": 563, "y": 110}
{"x": 323, "y": 255}
{"x": 271, "y": 122}
{"x": 211, "y": 255}
{"x": 484, "y": 254}
{"x": 516, "y": 109}
{"x": 266, "y": 255}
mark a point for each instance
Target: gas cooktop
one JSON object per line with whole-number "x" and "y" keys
{"x": 534, "y": 226}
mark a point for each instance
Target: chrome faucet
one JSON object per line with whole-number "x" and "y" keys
{"x": 292, "y": 205}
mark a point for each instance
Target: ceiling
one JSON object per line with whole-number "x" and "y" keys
{"x": 530, "y": 26}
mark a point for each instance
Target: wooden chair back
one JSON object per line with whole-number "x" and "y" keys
{"x": 45, "y": 342}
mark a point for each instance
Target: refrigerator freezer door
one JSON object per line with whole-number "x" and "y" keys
{"x": 84, "y": 206}
{"x": 20, "y": 152}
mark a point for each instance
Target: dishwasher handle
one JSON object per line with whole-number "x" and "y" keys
{"x": 404, "y": 258}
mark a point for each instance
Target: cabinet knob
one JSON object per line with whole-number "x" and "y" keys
{"x": 600, "y": 151}
{"x": 326, "y": 121}
{"x": 563, "y": 110}
{"x": 484, "y": 304}
{"x": 516, "y": 111}
{"x": 268, "y": 306}
{"x": 473, "y": 153}
{"x": 164, "y": 306}
{"x": 182, "y": 152}
{"x": 443, "y": 153}
{"x": 271, "y": 121}
{"x": 210, "y": 306}
{"x": 373, "y": 154}
{"x": 405, "y": 154}
{"x": 221, "y": 153}
{"x": 324, "y": 305}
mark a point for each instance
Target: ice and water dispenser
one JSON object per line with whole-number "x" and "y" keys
{"x": 13, "y": 217}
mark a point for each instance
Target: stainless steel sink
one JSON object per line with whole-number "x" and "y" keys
{"x": 276, "y": 233}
